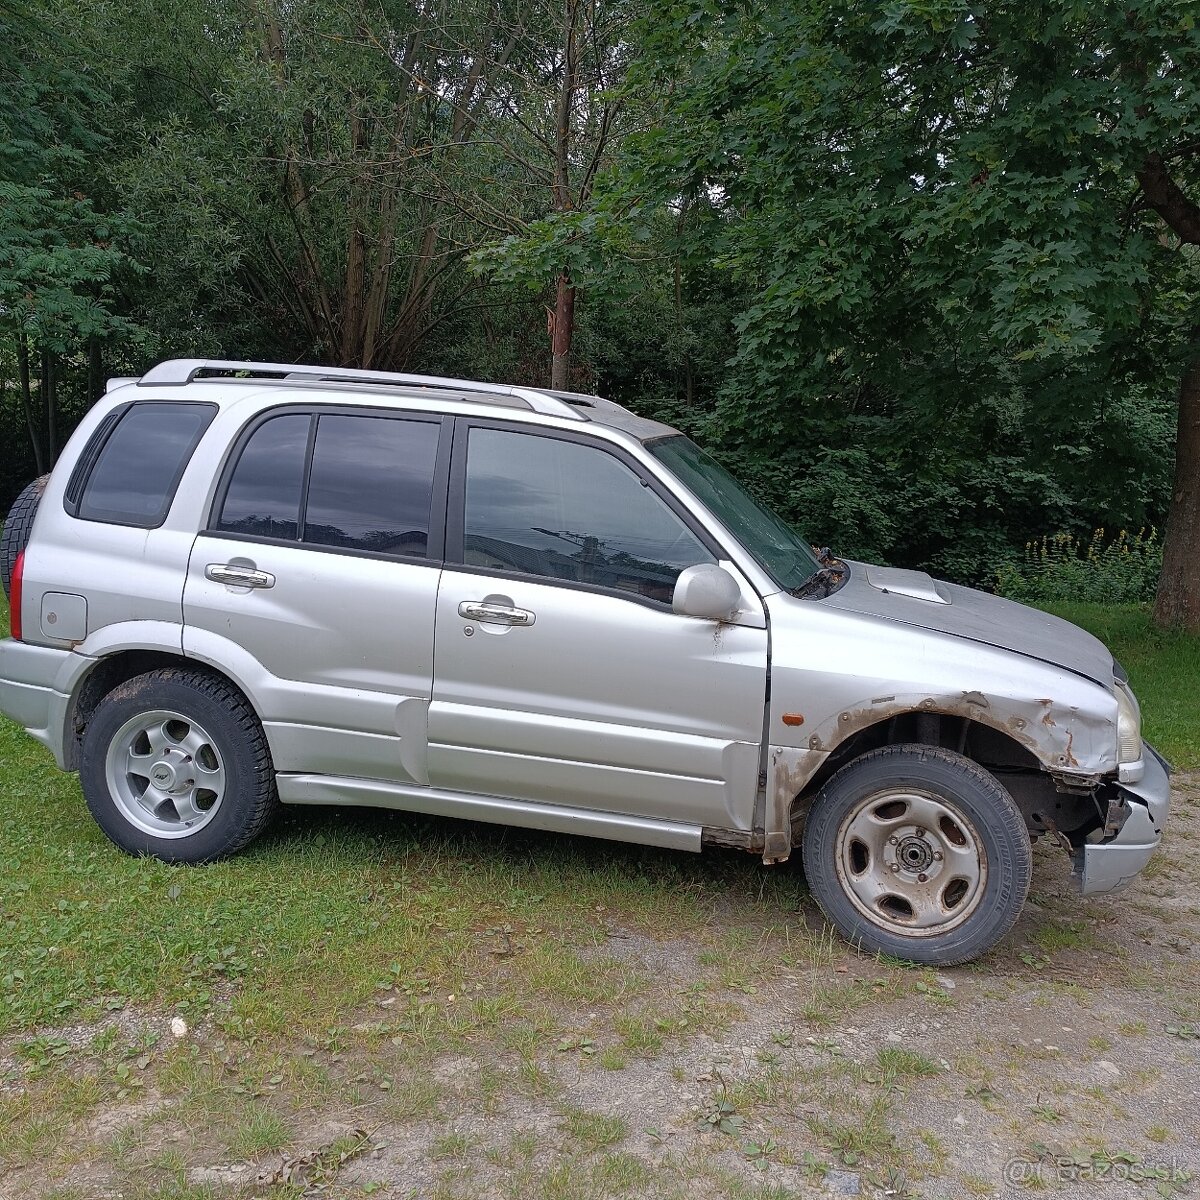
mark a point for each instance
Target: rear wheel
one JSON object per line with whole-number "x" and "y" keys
{"x": 17, "y": 527}
{"x": 918, "y": 853}
{"x": 176, "y": 765}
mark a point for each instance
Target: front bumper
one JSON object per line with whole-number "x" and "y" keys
{"x": 1105, "y": 866}
{"x": 28, "y": 691}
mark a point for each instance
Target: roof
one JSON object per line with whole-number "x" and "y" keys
{"x": 574, "y": 406}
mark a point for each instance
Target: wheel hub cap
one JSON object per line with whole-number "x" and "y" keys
{"x": 911, "y": 862}
{"x": 165, "y": 774}
{"x": 162, "y": 775}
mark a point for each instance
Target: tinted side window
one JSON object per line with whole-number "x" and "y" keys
{"x": 543, "y": 506}
{"x": 263, "y": 497}
{"x": 138, "y": 468}
{"x": 371, "y": 484}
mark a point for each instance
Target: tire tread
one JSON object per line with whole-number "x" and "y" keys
{"x": 262, "y": 794}
{"x": 17, "y": 527}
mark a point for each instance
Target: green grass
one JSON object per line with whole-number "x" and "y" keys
{"x": 1164, "y": 669}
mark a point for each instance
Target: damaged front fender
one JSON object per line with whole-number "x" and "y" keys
{"x": 836, "y": 677}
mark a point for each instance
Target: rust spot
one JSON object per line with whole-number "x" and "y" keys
{"x": 793, "y": 719}
{"x": 792, "y": 769}
{"x": 1072, "y": 761}
{"x": 1048, "y": 720}
{"x": 962, "y": 705}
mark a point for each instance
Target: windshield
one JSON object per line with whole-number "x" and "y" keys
{"x": 777, "y": 547}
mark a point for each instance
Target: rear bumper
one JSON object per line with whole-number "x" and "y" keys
{"x": 28, "y": 691}
{"x": 1105, "y": 866}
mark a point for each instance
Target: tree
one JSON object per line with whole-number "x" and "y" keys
{"x": 302, "y": 149}
{"x": 968, "y": 231}
{"x": 59, "y": 252}
{"x": 561, "y": 116}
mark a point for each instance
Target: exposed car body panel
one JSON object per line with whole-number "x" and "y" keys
{"x": 844, "y": 669}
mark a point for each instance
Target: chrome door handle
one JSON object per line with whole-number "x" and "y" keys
{"x": 497, "y": 614}
{"x": 235, "y": 576}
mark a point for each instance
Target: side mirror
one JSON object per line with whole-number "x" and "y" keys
{"x": 706, "y": 590}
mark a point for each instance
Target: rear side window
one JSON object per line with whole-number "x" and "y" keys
{"x": 134, "y": 465}
{"x": 361, "y": 483}
{"x": 371, "y": 484}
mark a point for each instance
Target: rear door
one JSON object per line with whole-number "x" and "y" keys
{"x": 561, "y": 673}
{"x": 316, "y": 582}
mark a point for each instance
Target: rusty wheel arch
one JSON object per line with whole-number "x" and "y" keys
{"x": 997, "y": 751}
{"x": 977, "y": 740}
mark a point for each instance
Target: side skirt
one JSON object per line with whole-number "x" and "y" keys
{"x": 335, "y": 789}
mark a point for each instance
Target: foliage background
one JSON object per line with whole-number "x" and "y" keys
{"x": 887, "y": 259}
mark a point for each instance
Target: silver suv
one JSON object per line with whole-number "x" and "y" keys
{"x": 247, "y": 583}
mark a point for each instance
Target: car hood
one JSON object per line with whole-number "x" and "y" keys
{"x": 917, "y": 599}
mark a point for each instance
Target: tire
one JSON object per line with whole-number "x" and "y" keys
{"x": 208, "y": 787}
{"x": 17, "y": 527}
{"x": 919, "y": 853}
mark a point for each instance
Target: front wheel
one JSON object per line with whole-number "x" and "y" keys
{"x": 176, "y": 766}
{"x": 919, "y": 853}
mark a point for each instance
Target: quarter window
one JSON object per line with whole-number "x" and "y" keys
{"x": 559, "y": 509}
{"x": 138, "y": 467}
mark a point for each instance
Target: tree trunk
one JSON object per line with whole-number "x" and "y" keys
{"x": 95, "y": 384}
{"x": 33, "y": 423}
{"x": 562, "y": 327}
{"x": 50, "y": 404}
{"x": 1177, "y": 605}
{"x": 561, "y": 332}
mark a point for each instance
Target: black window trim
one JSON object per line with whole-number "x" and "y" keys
{"x": 81, "y": 476}
{"x": 77, "y": 484}
{"x": 436, "y": 542}
{"x": 456, "y": 499}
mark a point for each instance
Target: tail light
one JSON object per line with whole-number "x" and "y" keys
{"x": 14, "y": 596}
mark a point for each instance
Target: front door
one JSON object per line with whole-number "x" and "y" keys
{"x": 316, "y": 582}
{"x": 561, "y": 675}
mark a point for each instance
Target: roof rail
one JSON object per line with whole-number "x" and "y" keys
{"x": 179, "y": 371}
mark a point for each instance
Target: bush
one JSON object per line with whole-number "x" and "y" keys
{"x": 1062, "y": 568}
